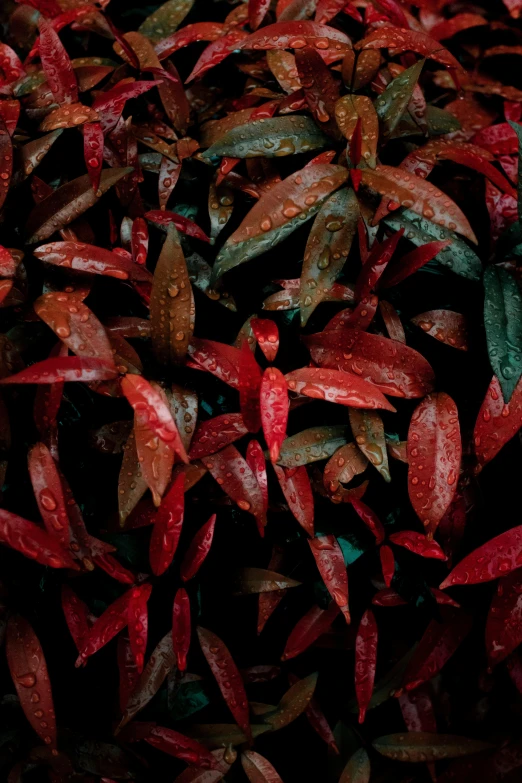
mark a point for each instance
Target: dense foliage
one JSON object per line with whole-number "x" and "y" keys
{"x": 261, "y": 391}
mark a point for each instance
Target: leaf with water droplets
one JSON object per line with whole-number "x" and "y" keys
{"x": 92, "y": 259}
{"x": 198, "y": 550}
{"x": 235, "y": 477}
{"x": 355, "y": 114}
{"x": 446, "y": 326}
{"x": 278, "y": 213}
{"x": 166, "y": 19}
{"x": 328, "y": 41}
{"x": 217, "y": 358}
{"x": 375, "y": 265}
{"x": 273, "y": 137}
{"x": 503, "y": 325}
{"x": 403, "y": 189}
{"x": 273, "y": 396}
{"x": 138, "y": 626}
{"x": 296, "y": 488}
{"x": 321, "y": 89}
{"x": 420, "y": 747}
{"x": 258, "y": 769}
{"x": 456, "y": 255}
{"x": 365, "y": 661}
{"x": 6, "y": 161}
{"x": 216, "y": 52}
{"x": 312, "y": 445}
{"x": 172, "y": 304}
{"x": 504, "y": 623}
{"x": 419, "y": 544}
{"x": 368, "y": 431}
{"x": 227, "y": 677}
{"x": 409, "y": 40}
{"x": 67, "y": 203}
{"x": 497, "y": 422}
{"x": 28, "y": 669}
{"x": 67, "y": 368}
{"x": 257, "y": 10}
{"x": 168, "y": 522}
{"x": 159, "y": 665}
{"x": 394, "y": 368}
{"x": 434, "y": 455}
{"x": 336, "y": 386}
{"x": 438, "y": 644}
{"x": 358, "y": 768}
{"x": 397, "y": 272}
{"x": 497, "y": 557}
{"x": 214, "y": 434}
{"x": 294, "y": 702}
{"x": 330, "y": 562}
{"x": 391, "y": 104}
{"x": 109, "y": 624}
{"x": 155, "y": 456}
{"x": 146, "y": 401}
{"x": 327, "y": 249}
{"x": 346, "y": 463}
{"x": 56, "y": 64}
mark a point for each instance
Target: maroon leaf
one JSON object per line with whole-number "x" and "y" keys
{"x": 297, "y": 490}
{"x": 497, "y": 557}
{"x": 365, "y": 661}
{"x": 419, "y": 544}
{"x": 330, "y": 562}
{"x": 168, "y": 521}
{"x": 181, "y": 628}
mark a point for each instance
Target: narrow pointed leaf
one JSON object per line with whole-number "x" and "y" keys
{"x": 503, "y": 324}
{"x": 365, "y": 661}
{"x": 497, "y": 557}
{"x": 296, "y": 488}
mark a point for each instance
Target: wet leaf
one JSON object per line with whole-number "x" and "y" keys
{"x": 358, "y": 768}
{"x": 168, "y": 522}
{"x": 269, "y": 138}
{"x": 365, "y": 661}
{"x": 214, "y": 434}
{"x": 258, "y": 580}
{"x": 258, "y": 769}
{"x": 68, "y": 368}
{"x": 330, "y": 562}
{"x": 434, "y": 454}
{"x": 356, "y": 111}
{"x": 309, "y": 628}
{"x": 336, "y": 386}
{"x": 296, "y": 488}
{"x": 502, "y": 314}
{"x": 368, "y": 431}
{"x": 497, "y": 422}
{"x": 274, "y": 410}
{"x": 418, "y": 746}
{"x": 391, "y": 104}
{"x": 497, "y": 557}
{"x": 446, "y": 326}
{"x": 409, "y": 40}
{"x": 278, "y": 213}
{"x": 294, "y": 702}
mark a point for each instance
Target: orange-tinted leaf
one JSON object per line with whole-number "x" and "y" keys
{"x": 336, "y": 386}
{"x": 255, "y": 460}
{"x": 320, "y": 89}
{"x": 354, "y": 112}
{"x": 331, "y": 43}
{"x": 258, "y": 769}
{"x": 67, "y": 368}
{"x": 28, "y": 669}
{"x": 92, "y": 259}
{"x": 156, "y": 456}
{"x": 368, "y": 431}
{"x": 342, "y": 467}
{"x": 434, "y": 454}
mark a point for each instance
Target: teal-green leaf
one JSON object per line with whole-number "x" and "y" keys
{"x": 165, "y": 20}
{"x": 270, "y": 137}
{"x": 503, "y": 324}
{"x": 458, "y": 256}
{"x": 327, "y": 249}
{"x": 391, "y": 104}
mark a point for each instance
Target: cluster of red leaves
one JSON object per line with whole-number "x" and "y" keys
{"x": 164, "y": 445}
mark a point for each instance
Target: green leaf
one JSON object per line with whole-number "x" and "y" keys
{"x": 278, "y": 213}
{"x": 393, "y": 102}
{"x": 312, "y": 445}
{"x": 327, "y": 249}
{"x": 518, "y": 130}
{"x": 503, "y": 324}
{"x": 271, "y": 137}
{"x": 166, "y": 19}
{"x": 458, "y": 256}
{"x": 190, "y": 698}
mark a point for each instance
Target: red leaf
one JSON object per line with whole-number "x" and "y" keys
{"x": 389, "y": 597}
{"x": 140, "y": 240}
{"x": 199, "y": 31}
{"x": 33, "y": 542}
{"x": 419, "y": 544}
{"x": 336, "y": 386}
{"x": 395, "y": 369}
{"x": 109, "y": 624}
{"x": 296, "y": 35}
{"x": 436, "y": 647}
{"x": 274, "y": 410}
{"x": 504, "y": 623}
{"x": 409, "y": 40}
{"x": 309, "y": 628}
{"x": 89, "y": 258}
{"x": 236, "y": 479}
{"x": 249, "y": 384}
{"x": 93, "y": 151}
{"x": 138, "y": 625}
{"x": 6, "y": 161}
{"x": 375, "y": 265}
{"x": 216, "y": 52}
{"x": 28, "y": 669}
{"x": 227, "y": 677}
{"x": 256, "y": 462}
{"x": 198, "y": 550}
{"x": 411, "y": 262}
{"x": 56, "y": 64}
{"x": 297, "y": 490}
{"x": 168, "y": 521}
{"x": 217, "y": 358}
{"x": 388, "y": 569}
{"x": 446, "y": 326}
{"x": 267, "y": 336}
{"x": 146, "y": 401}
{"x": 77, "y": 616}
{"x": 109, "y": 105}
{"x": 370, "y": 519}
{"x": 365, "y": 661}
{"x": 497, "y": 422}
{"x": 59, "y": 370}
{"x": 497, "y": 557}
{"x": 434, "y": 454}
{"x": 178, "y": 745}
{"x": 162, "y": 217}
{"x": 257, "y": 10}
{"x": 330, "y": 562}
{"x": 181, "y": 627}
{"x": 214, "y": 434}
